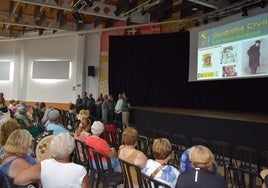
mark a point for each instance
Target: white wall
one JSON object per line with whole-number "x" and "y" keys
{"x": 72, "y": 48}
{"x": 92, "y": 58}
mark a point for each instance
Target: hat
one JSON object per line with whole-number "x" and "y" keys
{"x": 97, "y": 128}
{"x": 264, "y": 176}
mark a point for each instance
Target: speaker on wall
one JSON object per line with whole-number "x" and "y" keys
{"x": 91, "y": 71}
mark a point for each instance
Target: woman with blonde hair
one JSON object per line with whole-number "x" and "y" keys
{"x": 5, "y": 130}
{"x": 127, "y": 152}
{"x": 159, "y": 168}
{"x": 15, "y": 158}
{"x": 201, "y": 175}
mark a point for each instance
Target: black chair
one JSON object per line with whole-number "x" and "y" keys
{"x": 245, "y": 157}
{"x": 149, "y": 182}
{"x": 143, "y": 145}
{"x": 200, "y": 141}
{"x": 242, "y": 178}
{"x": 105, "y": 175}
{"x": 132, "y": 174}
{"x": 81, "y": 156}
{"x": 179, "y": 145}
{"x": 6, "y": 181}
{"x": 222, "y": 154}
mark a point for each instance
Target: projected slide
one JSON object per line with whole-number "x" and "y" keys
{"x": 235, "y": 50}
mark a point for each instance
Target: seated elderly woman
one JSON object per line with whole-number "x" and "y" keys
{"x": 159, "y": 168}
{"x": 54, "y": 125}
{"x": 26, "y": 123}
{"x": 57, "y": 171}
{"x": 5, "y": 130}
{"x": 127, "y": 152}
{"x": 201, "y": 175}
{"x": 101, "y": 145}
{"x": 15, "y": 158}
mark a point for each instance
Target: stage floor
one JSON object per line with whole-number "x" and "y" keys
{"x": 232, "y": 115}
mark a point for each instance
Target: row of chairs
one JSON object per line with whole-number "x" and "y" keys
{"x": 93, "y": 162}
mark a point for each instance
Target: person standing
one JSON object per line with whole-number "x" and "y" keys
{"x": 84, "y": 100}
{"x": 125, "y": 109}
{"x": 111, "y": 109}
{"x": 98, "y": 104}
{"x": 105, "y": 108}
{"x": 118, "y": 108}
{"x": 78, "y": 104}
{"x": 91, "y": 105}
{"x": 254, "y": 57}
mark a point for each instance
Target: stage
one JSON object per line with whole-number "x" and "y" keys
{"x": 235, "y": 128}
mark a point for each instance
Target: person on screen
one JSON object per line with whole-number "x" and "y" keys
{"x": 254, "y": 57}
{"x": 229, "y": 71}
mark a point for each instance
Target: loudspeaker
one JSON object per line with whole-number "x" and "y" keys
{"x": 91, "y": 71}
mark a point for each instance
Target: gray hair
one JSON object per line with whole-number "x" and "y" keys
{"x": 21, "y": 109}
{"x": 53, "y": 115}
{"x": 62, "y": 145}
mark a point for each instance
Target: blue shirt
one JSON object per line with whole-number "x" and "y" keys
{"x": 57, "y": 129}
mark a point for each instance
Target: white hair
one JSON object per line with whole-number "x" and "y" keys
{"x": 62, "y": 145}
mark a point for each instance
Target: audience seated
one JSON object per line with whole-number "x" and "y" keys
{"x": 26, "y": 122}
{"x": 2, "y": 100}
{"x": 42, "y": 109}
{"x": 15, "y": 158}
{"x": 185, "y": 163}
{"x": 159, "y": 168}
{"x": 201, "y": 175}
{"x": 3, "y": 118}
{"x": 101, "y": 145}
{"x": 83, "y": 129}
{"x": 57, "y": 171}
{"x": 53, "y": 125}
{"x": 127, "y": 152}
{"x": 5, "y": 130}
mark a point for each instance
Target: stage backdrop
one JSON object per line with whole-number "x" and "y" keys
{"x": 153, "y": 71}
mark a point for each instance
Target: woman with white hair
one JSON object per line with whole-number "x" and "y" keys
{"x": 57, "y": 171}
{"x": 201, "y": 175}
{"x": 54, "y": 125}
{"x": 101, "y": 145}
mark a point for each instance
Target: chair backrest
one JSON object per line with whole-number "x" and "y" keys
{"x": 143, "y": 145}
{"x": 104, "y": 169}
{"x": 242, "y": 178}
{"x": 245, "y": 157}
{"x": 132, "y": 174}
{"x": 5, "y": 181}
{"x": 81, "y": 154}
{"x": 149, "y": 182}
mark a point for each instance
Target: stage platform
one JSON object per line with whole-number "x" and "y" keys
{"x": 236, "y": 128}
{"x": 234, "y": 115}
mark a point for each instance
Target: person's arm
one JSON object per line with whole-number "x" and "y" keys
{"x": 28, "y": 123}
{"x": 85, "y": 182}
{"x": 28, "y": 176}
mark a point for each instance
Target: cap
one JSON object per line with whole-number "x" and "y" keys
{"x": 97, "y": 128}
